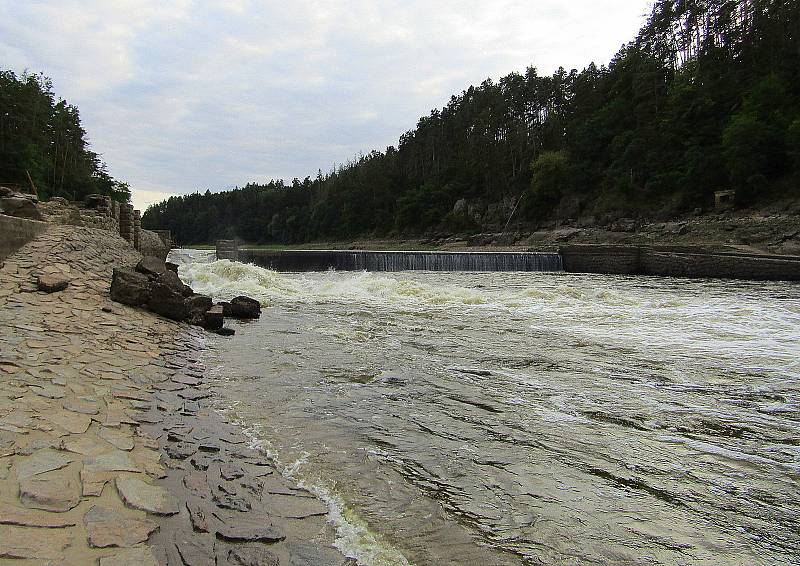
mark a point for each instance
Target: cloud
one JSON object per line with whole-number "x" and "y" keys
{"x": 186, "y": 95}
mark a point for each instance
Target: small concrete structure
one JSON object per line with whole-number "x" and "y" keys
{"x": 724, "y": 199}
{"x": 16, "y": 232}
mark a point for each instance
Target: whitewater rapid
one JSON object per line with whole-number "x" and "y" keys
{"x": 526, "y": 418}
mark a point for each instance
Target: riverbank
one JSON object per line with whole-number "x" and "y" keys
{"x": 111, "y": 451}
{"x": 746, "y": 231}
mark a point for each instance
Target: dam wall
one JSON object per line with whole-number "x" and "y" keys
{"x": 358, "y": 260}
{"x": 16, "y": 232}
{"x": 678, "y": 262}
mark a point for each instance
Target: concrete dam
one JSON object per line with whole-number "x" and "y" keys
{"x": 693, "y": 262}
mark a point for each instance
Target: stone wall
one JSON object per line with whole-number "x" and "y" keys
{"x": 16, "y": 232}
{"x": 678, "y": 262}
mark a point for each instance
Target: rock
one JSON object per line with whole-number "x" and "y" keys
{"x": 114, "y": 461}
{"x": 171, "y": 279}
{"x": 224, "y": 331}
{"x": 11, "y": 515}
{"x": 198, "y": 305}
{"x": 52, "y": 283}
{"x": 248, "y": 529}
{"x": 198, "y": 516}
{"x": 117, "y": 438}
{"x": 172, "y": 266}
{"x": 23, "y": 542}
{"x": 180, "y": 451}
{"x": 251, "y": 555}
{"x": 105, "y": 528}
{"x": 50, "y": 492}
{"x": 167, "y": 301}
{"x": 45, "y": 460}
{"x": 151, "y": 266}
{"x": 244, "y": 307}
{"x": 140, "y": 495}
{"x": 129, "y": 287}
{"x": 194, "y": 550}
{"x": 213, "y": 319}
{"x": 305, "y": 553}
{"x": 94, "y": 482}
{"x": 20, "y": 206}
{"x": 139, "y": 556}
{"x": 75, "y": 423}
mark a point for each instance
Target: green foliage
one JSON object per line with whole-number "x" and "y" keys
{"x": 552, "y": 179}
{"x": 705, "y": 97}
{"x": 43, "y": 138}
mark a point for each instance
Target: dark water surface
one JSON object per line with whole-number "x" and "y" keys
{"x": 524, "y": 418}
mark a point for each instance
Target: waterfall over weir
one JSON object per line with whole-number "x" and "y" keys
{"x": 347, "y": 260}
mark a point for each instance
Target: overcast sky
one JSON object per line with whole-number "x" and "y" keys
{"x": 181, "y": 95}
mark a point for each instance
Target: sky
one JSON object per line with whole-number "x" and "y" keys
{"x": 181, "y": 96}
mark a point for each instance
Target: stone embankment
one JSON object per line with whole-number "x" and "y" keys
{"x": 111, "y": 452}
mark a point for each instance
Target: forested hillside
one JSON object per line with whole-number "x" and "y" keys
{"x": 41, "y": 140}
{"x": 706, "y": 97}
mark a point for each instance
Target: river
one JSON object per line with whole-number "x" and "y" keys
{"x": 525, "y": 418}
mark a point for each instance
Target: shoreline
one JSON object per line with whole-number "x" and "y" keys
{"x": 110, "y": 449}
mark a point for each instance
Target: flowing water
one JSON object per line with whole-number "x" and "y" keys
{"x": 526, "y": 418}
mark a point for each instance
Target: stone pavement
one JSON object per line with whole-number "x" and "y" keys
{"x": 110, "y": 450}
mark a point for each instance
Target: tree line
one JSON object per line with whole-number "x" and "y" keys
{"x": 705, "y": 98}
{"x": 43, "y": 143}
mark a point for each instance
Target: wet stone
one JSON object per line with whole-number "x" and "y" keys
{"x": 198, "y": 516}
{"x": 309, "y": 554}
{"x": 105, "y": 528}
{"x": 230, "y": 472}
{"x": 140, "y": 495}
{"x": 180, "y": 450}
{"x": 249, "y": 529}
{"x": 251, "y": 555}
{"x": 194, "y": 550}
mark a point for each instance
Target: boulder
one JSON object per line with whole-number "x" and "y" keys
{"x": 130, "y": 288}
{"x": 213, "y": 318}
{"x": 224, "y": 331}
{"x": 151, "y": 266}
{"x": 168, "y": 301}
{"x": 52, "y": 283}
{"x": 172, "y": 266}
{"x": 171, "y": 279}
{"x": 197, "y": 305}
{"x": 20, "y": 206}
{"x": 244, "y": 307}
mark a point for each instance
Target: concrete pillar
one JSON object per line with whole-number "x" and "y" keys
{"x": 137, "y": 230}
{"x": 126, "y": 221}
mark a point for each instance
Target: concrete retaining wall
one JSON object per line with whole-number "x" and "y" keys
{"x": 16, "y": 232}
{"x": 679, "y": 262}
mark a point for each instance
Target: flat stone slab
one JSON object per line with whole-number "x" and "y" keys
{"x": 26, "y": 542}
{"x": 195, "y": 550}
{"x": 115, "y": 461}
{"x": 249, "y": 529}
{"x": 117, "y": 438}
{"x": 12, "y": 515}
{"x": 51, "y": 492}
{"x": 75, "y": 423}
{"x": 139, "y": 556}
{"x": 251, "y": 555}
{"x": 105, "y": 528}
{"x": 84, "y": 406}
{"x": 40, "y": 462}
{"x": 151, "y": 498}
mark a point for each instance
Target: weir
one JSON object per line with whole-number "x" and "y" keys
{"x": 349, "y": 260}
